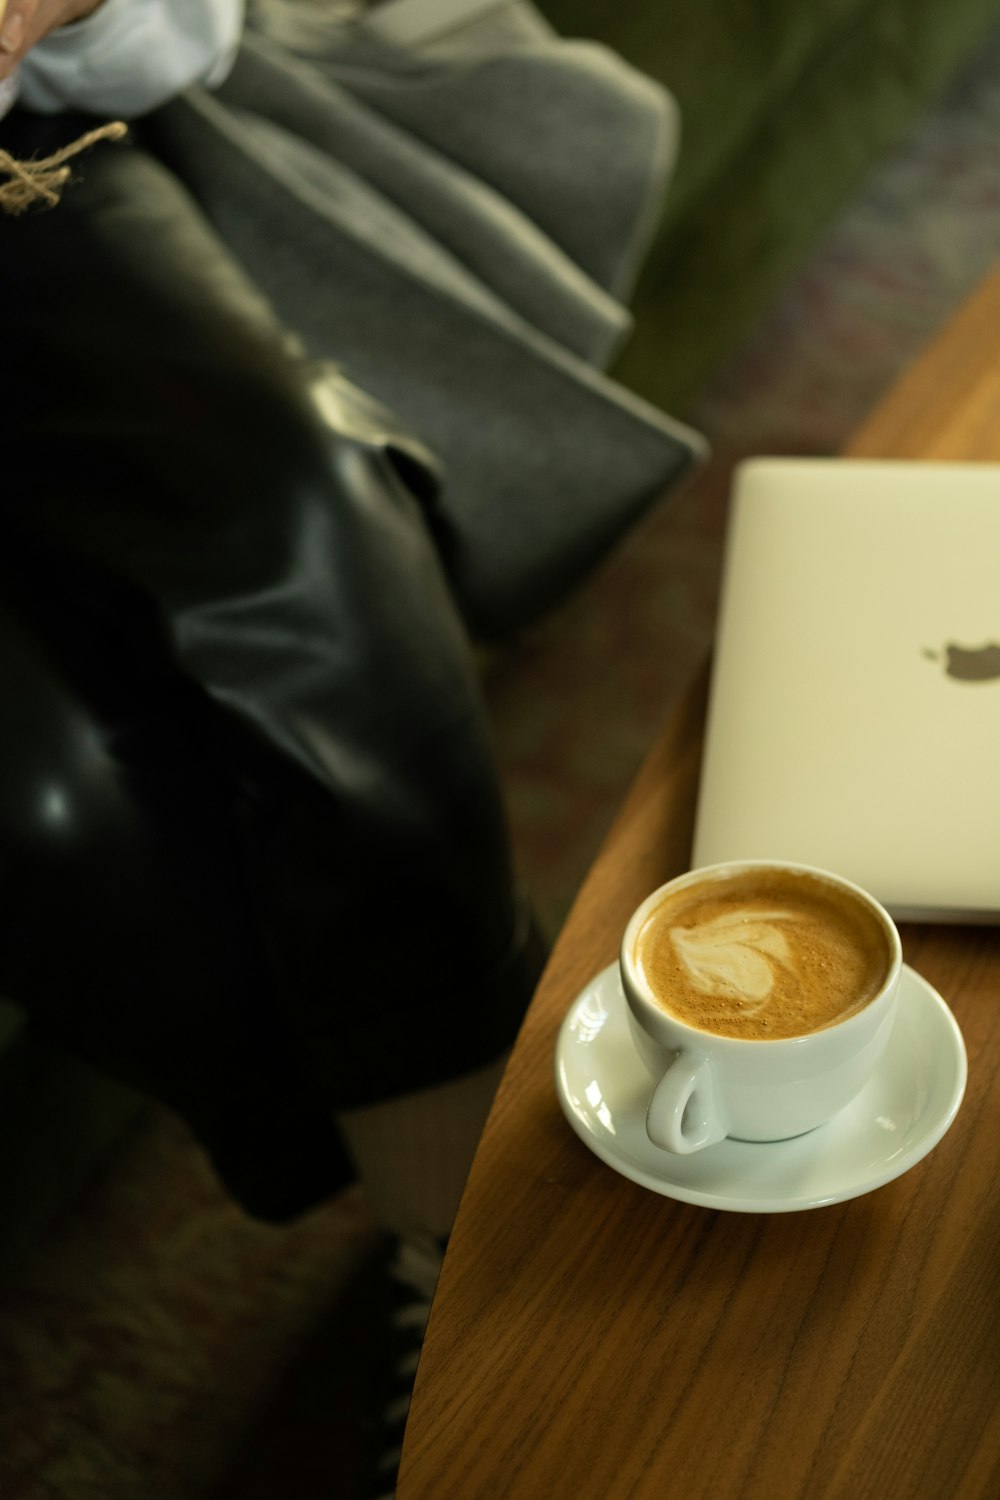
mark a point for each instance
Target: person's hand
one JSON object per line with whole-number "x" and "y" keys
{"x": 25, "y": 22}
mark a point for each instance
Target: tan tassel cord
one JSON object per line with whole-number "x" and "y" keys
{"x": 41, "y": 180}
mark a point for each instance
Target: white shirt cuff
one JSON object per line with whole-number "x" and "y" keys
{"x": 131, "y": 55}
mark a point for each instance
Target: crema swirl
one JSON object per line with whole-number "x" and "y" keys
{"x": 763, "y": 954}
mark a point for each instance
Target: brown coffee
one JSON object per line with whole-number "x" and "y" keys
{"x": 762, "y": 954}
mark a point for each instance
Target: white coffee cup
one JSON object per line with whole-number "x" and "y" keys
{"x": 708, "y": 1084}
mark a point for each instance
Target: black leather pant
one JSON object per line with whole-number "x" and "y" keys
{"x": 253, "y": 856}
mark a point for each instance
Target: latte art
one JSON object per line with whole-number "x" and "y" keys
{"x": 762, "y": 955}
{"x": 734, "y": 955}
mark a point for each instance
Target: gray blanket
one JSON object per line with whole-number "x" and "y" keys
{"x": 457, "y": 224}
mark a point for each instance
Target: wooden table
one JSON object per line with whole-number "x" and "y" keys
{"x": 592, "y": 1340}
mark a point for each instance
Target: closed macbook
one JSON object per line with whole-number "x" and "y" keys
{"x": 854, "y": 714}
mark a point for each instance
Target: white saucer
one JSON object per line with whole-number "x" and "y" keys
{"x": 899, "y": 1116}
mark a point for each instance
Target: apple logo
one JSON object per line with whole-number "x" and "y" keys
{"x": 969, "y": 663}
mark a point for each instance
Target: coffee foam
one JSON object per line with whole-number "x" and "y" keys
{"x": 766, "y": 954}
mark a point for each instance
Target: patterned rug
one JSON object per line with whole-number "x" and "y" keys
{"x": 160, "y": 1346}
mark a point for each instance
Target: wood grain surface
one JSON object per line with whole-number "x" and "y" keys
{"x": 595, "y": 1341}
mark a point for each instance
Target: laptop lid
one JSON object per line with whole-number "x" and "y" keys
{"x": 854, "y": 713}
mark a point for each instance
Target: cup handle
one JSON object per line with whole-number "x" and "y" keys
{"x": 683, "y": 1113}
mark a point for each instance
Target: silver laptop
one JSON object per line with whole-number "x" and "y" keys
{"x": 854, "y": 717}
